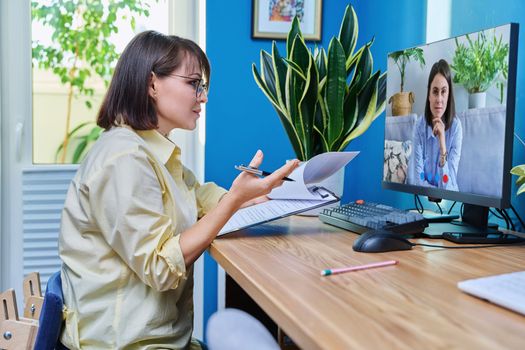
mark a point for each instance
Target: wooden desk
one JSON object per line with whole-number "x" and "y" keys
{"x": 413, "y": 305}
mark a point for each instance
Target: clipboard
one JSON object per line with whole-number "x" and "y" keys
{"x": 294, "y": 197}
{"x": 276, "y": 209}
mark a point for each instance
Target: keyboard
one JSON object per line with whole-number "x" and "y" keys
{"x": 361, "y": 216}
{"x": 507, "y": 290}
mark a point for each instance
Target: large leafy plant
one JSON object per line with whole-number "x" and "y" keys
{"x": 81, "y": 48}
{"x": 324, "y": 100}
{"x": 479, "y": 63}
{"x": 402, "y": 57}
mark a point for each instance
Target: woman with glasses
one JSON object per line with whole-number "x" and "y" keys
{"x": 135, "y": 219}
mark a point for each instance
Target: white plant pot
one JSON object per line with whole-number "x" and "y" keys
{"x": 334, "y": 184}
{"x": 477, "y": 100}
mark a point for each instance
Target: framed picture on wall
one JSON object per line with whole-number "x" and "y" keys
{"x": 272, "y": 19}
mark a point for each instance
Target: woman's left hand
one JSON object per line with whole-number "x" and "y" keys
{"x": 248, "y": 187}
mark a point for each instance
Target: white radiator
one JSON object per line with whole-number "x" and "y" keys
{"x": 44, "y": 191}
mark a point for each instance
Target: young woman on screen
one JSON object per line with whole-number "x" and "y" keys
{"x": 438, "y": 135}
{"x": 135, "y": 219}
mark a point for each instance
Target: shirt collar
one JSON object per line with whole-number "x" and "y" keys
{"x": 160, "y": 145}
{"x": 430, "y": 134}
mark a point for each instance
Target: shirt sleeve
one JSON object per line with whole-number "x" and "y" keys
{"x": 207, "y": 194}
{"x": 453, "y": 156}
{"x": 418, "y": 141}
{"x": 126, "y": 199}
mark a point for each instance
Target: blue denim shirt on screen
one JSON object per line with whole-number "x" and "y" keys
{"x": 426, "y": 170}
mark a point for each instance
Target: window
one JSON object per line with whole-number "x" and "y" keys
{"x": 75, "y": 48}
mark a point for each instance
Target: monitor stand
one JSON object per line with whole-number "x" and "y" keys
{"x": 474, "y": 221}
{"x": 435, "y": 217}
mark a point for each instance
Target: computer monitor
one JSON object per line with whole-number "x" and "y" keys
{"x": 453, "y": 142}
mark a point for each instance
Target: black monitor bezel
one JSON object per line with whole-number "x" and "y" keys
{"x": 470, "y": 198}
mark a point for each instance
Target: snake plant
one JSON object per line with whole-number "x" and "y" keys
{"x": 324, "y": 99}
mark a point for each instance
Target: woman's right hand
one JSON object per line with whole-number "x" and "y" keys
{"x": 248, "y": 186}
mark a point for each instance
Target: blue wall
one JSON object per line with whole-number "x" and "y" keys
{"x": 395, "y": 25}
{"x": 240, "y": 120}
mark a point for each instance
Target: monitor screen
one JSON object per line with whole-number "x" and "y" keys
{"x": 450, "y": 118}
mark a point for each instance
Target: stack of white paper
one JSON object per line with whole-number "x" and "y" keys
{"x": 294, "y": 196}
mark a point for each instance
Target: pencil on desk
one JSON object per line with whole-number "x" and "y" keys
{"x": 329, "y": 272}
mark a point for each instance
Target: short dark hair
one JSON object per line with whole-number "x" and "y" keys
{"x": 442, "y": 68}
{"x": 127, "y": 99}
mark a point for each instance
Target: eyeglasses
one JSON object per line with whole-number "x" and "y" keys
{"x": 198, "y": 84}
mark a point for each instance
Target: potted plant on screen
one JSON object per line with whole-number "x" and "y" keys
{"x": 324, "y": 99}
{"x": 402, "y": 101}
{"x": 478, "y": 64}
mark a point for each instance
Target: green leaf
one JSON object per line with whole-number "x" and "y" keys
{"x": 364, "y": 97}
{"x": 325, "y": 146}
{"x": 262, "y": 85}
{"x": 300, "y": 54}
{"x": 368, "y": 99}
{"x": 349, "y": 31}
{"x": 295, "y": 30}
{"x": 381, "y": 95}
{"x": 295, "y": 84}
{"x": 521, "y": 189}
{"x": 79, "y": 150}
{"x": 362, "y": 71}
{"x": 76, "y": 133}
{"x": 307, "y": 108}
{"x": 351, "y": 64}
{"x": 518, "y": 170}
{"x": 320, "y": 61}
{"x": 279, "y": 68}
{"x": 268, "y": 73}
{"x": 350, "y": 109}
{"x": 292, "y": 106}
{"x": 95, "y": 133}
{"x": 296, "y": 68}
{"x": 335, "y": 90}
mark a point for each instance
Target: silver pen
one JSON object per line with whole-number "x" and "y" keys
{"x": 256, "y": 171}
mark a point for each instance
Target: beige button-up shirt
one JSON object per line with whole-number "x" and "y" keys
{"x": 124, "y": 279}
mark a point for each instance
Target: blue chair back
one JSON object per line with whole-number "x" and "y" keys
{"x": 51, "y": 321}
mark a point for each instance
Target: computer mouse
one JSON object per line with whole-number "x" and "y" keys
{"x": 377, "y": 241}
